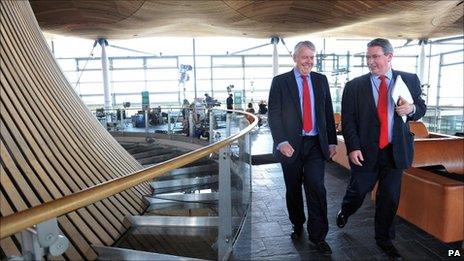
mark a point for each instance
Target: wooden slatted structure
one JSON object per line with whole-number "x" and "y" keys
{"x": 51, "y": 144}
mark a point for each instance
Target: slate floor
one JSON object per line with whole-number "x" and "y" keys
{"x": 266, "y": 232}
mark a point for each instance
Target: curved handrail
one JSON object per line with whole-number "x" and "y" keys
{"x": 19, "y": 221}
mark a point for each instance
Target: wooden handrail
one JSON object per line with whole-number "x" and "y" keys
{"x": 19, "y": 221}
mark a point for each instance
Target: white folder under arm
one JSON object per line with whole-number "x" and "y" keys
{"x": 400, "y": 89}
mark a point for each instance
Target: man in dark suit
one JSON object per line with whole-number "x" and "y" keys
{"x": 303, "y": 129}
{"x": 378, "y": 140}
{"x": 230, "y": 103}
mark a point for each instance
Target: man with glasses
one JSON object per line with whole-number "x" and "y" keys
{"x": 378, "y": 140}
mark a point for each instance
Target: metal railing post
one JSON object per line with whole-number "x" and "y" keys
{"x": 228, "y": 115}
{"x": 169, "y": 121}
{"x": 225, "y": 239}
{"x": 245, "y": 166}
{"x": 437, "y": 103}
{"x": 191, "y": 124}
{"x": 211, "y": 126}
{"x": 146, "y": 123}
{"x": 247, "y": 175}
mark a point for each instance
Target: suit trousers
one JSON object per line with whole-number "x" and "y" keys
{"x": 307, "y": 170}
{"x": 387, "y": 197}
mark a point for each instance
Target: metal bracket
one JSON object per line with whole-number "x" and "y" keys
{"x": 41, "y": 240}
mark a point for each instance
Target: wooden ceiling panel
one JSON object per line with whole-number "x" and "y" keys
{"x": 126, "y": 19}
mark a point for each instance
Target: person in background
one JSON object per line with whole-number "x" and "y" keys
{"x": 185, "y": 108}
{"x": 251, "y": 110}
{"x": 262, "y": 107}
{"x": 199, "y": 109}
{"x": 208, "y": 100}
{"x": 230, "y": 103}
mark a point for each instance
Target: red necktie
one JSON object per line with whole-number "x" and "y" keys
{"x": 307, "y": 117}
{"x": 382, "y": 111}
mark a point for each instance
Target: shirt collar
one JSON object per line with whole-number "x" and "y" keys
{"x": 298, "y": 74}
{"x": 388, "y": 75}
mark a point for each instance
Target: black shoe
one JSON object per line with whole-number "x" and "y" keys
{"x": 341, "y": 219}
{"x": 390, "y": 250}
{"x": 322, "y": 247}
{"x": 297, "y": 231}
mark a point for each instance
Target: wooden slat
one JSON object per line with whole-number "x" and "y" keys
{"x": 7, "y": 244}
{"x": 53, "y": 181}
{"x": 61, "y": 79}
{"x": 68, "y": 179}
{"x": 7, "y": 185}
{"x": 37, "y": 183}
{"x": 51, "y": 145}
{"x": 9, "y": 248}
{"x": 42, "y": 59}
{"x": 71, "y": 117}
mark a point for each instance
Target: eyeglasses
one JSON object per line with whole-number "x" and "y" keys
{"x": 375, "y": 56}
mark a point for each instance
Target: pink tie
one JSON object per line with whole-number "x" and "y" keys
{"x": 382, "y": 112}
{"x": 307, "y": 117}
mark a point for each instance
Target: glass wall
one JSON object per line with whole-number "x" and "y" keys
{"x": 153, "y": 65}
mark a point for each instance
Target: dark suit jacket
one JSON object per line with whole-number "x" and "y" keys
{"x": 360, "y": 123}
{"x": 230, "y": 103}
{"x": 285, "y": 116}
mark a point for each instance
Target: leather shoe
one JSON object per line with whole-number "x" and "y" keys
{"x": 341, "y": 219}
{"x": 297, "y": 231}
{"x": 390, "y": 250}
{"x": 323, "y": 247}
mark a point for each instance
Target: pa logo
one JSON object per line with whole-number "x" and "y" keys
{"x": 454, "y": 252}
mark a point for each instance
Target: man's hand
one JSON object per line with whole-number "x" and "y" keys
{"x": 286, "y": 149}
{"x": 332, "y": 150}
{"x": 404, "y": 108}
{"x": 356, "y": 157}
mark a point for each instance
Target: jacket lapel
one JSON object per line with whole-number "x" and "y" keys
{"x": 318, "y": 95}
{"x": 367, "y": 90}
{"x": 293, "y": 90}
{"x": 394, "y": 75}
{"x": 396, "y": 117}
